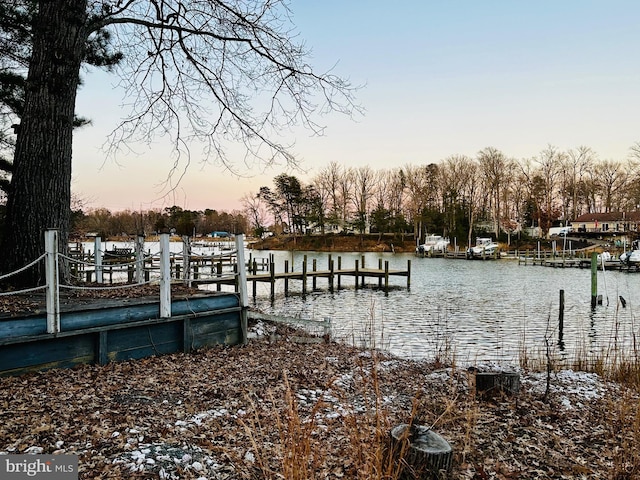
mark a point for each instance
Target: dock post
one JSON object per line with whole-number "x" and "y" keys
{"x": 386, "y": 277}
{"x": 379, "y": 268}
{"x": 97, "y": 257}
{"x": 362, "y": 278}
{"x": 561, "y": 319}
{"x": 330, "y": 274}
{"x": 219, "y": 274}
{"x": 314, "y": 269}
{"x": 52, "y": 287}
{"x": 357, "y": 274}
{"x": 330, "y": 267}
{"x": 186, "y": 260}
{"x": 339, "y": 269}
{"x": 242, "y": 286}
{"x": 286, "y": 279}
{"x": 165, "y": 277}
{"x": 140, "y": 258}
{"x": 594, "y": 280}
{"x": 408, "y": 274}
{"x": 272, "y": 275}
{"x": 254, "y": 288}
{"x": 304, "y": 275}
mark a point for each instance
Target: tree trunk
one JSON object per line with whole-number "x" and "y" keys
{"x": 40, "y": 195}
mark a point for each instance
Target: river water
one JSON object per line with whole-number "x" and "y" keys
{"x": 475, "y": 310}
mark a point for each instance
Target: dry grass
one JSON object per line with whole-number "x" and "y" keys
{"x": 283, "y": 410}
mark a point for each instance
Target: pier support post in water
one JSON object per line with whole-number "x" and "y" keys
{"x": 594, "y": 280}
{"x": 272, "y": 275}
{"x": 561, "y": 319}
{"x": 304, "y": 276}
{"x": 286, "y": 279}
{"x": 330, "y": 274}
{"x": 386, "y": 277}
{"x": 313, "y": 279}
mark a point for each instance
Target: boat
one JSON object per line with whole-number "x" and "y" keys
{"x": 604, "y": 257}
{"x": 433, "y": 243}
{"x": 631, "y": 257}
{"x": 484, "y": 247}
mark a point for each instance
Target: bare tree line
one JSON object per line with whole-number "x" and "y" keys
{"x": 107, "y": 224}
{"x": 459, "y": 196}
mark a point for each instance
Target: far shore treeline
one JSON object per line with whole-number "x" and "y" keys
{"x": 459, "y": 197}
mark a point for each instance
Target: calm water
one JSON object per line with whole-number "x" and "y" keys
{"x": 481, "y": 310}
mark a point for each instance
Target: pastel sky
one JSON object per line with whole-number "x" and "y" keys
{"x": 440, "y": 78}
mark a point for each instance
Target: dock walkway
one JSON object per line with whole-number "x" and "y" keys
{"x": 333, "y": 275}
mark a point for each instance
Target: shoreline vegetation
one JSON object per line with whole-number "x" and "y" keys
{"x": 338, "y": 243}
{"x": 369, "y": 242}
{"x": 282, "y": 408}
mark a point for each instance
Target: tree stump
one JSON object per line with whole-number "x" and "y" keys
{"x": 489, "y": 384}
{"x": 420, "y": 452}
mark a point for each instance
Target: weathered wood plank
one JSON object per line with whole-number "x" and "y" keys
{"x": 67, "y": 351}
{"x": 112, "y": 335}
{"x": 141, "y": 342}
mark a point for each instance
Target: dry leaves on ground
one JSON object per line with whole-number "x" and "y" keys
{"x": 271, "y": 409}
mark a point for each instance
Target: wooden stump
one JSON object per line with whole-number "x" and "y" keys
{"x": 489, "y": 384}
{"x": 422, "y": 453}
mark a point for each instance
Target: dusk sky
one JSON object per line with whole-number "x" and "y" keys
{"x": 440, "y": 78}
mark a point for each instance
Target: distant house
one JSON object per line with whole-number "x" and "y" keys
{"x": 608, "y": 223}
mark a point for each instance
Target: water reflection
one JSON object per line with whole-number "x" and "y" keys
{"x": 480, "y": 310}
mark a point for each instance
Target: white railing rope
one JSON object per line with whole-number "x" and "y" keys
{"x": 110, "y": 287}
{"x": 24, "y": 290}
{"x": 7, "y": 275}
{"x": 52, "y": 285}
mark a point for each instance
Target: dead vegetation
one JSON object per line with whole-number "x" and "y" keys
{"x": 280, "y": 409}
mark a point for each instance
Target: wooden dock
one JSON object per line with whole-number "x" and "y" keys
{"x": 575, "y": 262}
{"x": 104, "y": 330}
{"x": 333, "y": 275}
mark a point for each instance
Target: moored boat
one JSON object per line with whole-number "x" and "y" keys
{"x": 433, "y": 243}
{"x": 631, "y": 257}
{"x": 484, "y": 247}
